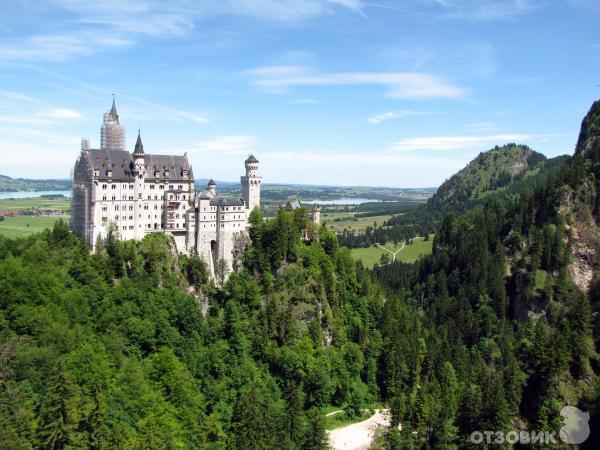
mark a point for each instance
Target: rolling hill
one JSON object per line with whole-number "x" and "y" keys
{"x": 501, "y": 172}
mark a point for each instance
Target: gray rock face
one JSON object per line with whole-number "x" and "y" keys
{"x": 589, "y": 135}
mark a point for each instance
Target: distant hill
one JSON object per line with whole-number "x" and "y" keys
{"x": 501, "y": 172}
{"x": 8, "y": 184}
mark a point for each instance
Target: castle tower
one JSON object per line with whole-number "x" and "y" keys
{"x": 212, "y": 188}
{"x": 138, "y": 170}
{"x": 251, "y": 184}
{"x": 138, "y": 157}
{"x": 316, "y": 214}
{"x": 112, "y": 134}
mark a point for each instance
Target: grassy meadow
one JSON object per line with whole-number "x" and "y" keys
{"x": 410, "y": 253}
{"x": 23, "y": 226}
{"x": 351, "y": 221}
{"x": 35, "y": 202}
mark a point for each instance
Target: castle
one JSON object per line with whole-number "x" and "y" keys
{"x": 139, "y": 193}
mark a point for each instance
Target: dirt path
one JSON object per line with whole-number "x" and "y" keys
{"x": 358, "y": 436}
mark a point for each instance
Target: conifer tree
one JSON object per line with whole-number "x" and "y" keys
{"x": 56, "y": 430}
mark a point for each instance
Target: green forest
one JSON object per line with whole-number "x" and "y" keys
{"x": 135, "y": 347}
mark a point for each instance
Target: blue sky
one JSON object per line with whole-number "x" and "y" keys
{"x": 350, "y": 92}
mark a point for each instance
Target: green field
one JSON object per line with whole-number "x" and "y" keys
{"x": 22, "y": 226}
{"x": 35, "y": 202}
{"x": 350, "y": 221}
{"x": 410, "y": 253}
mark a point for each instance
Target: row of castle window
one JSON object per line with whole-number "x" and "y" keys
{"x": 125, "y": 197}
{"x": 235, "y": 217}
{"x": 212, "y": 225}
{"x": 105, "y": 219}
{"x": 160, "y": 186}
{"x": 156, "y": 207}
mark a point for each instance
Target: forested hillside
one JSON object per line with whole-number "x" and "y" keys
{"x": 131, "y": 347}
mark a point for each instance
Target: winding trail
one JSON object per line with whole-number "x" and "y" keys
{"x": 358, "y": 436}
{"x": 388, "y": 250}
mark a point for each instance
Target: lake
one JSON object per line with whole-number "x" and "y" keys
{"x": 32, "y": 194}
{"x": 341, "y": 201}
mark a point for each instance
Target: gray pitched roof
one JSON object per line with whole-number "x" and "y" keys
{"x": 290, "y": 205}
{"x": 139, "y": 147}
{"x": 212, "y": 182}
{"x": 121, "y": 163}
{"x": 226, "y": 202}
{"x": 113, "y": 111}
{"x": 251, "y": 159}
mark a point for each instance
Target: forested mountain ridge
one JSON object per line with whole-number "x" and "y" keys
{"x": 488, "y": 172}
{"x": 8, "y": 184}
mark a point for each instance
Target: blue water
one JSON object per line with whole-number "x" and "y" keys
{"x": 32, "y": 194}
{"x": 340, "y": 201}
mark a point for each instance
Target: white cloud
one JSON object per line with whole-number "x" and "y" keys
{"x": 402, "y": 85}
{"x": 457, "y": 58}
{"x": 17, "y": 108}
{"x": 61, "y": 114}
{"x": 454, "y": 142}
{"x": 97, "y": 26}
{"x": 382, "y": 117}
{"x": 57, "y": 47}
{"x": 482, "y": 10}
{"x": 232, "y": 144}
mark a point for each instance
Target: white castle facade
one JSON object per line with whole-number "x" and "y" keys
{"x": 139, "y": 193}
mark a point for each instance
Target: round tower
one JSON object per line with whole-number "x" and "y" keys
{"x": 251, "y": 184}
{"x": 316, "y": 214}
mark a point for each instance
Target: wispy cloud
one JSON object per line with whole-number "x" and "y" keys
{"x": 459, "y": 58}
{"x": 389, "y": 115}
{"x": 152, "y": 109}
{"x": 21, "y": 109}
{"x": 97, "y": 26}
{"x": 402, "y": 85}
{"x": 478, "y": 10}
{"x": 232, "y": 144}
{"x": 454, "y": 142}
{"x": 57, "y": 47}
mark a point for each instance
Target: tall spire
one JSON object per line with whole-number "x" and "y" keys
{"x": 139, "y": 147}
{"x": 113, "y": 109}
